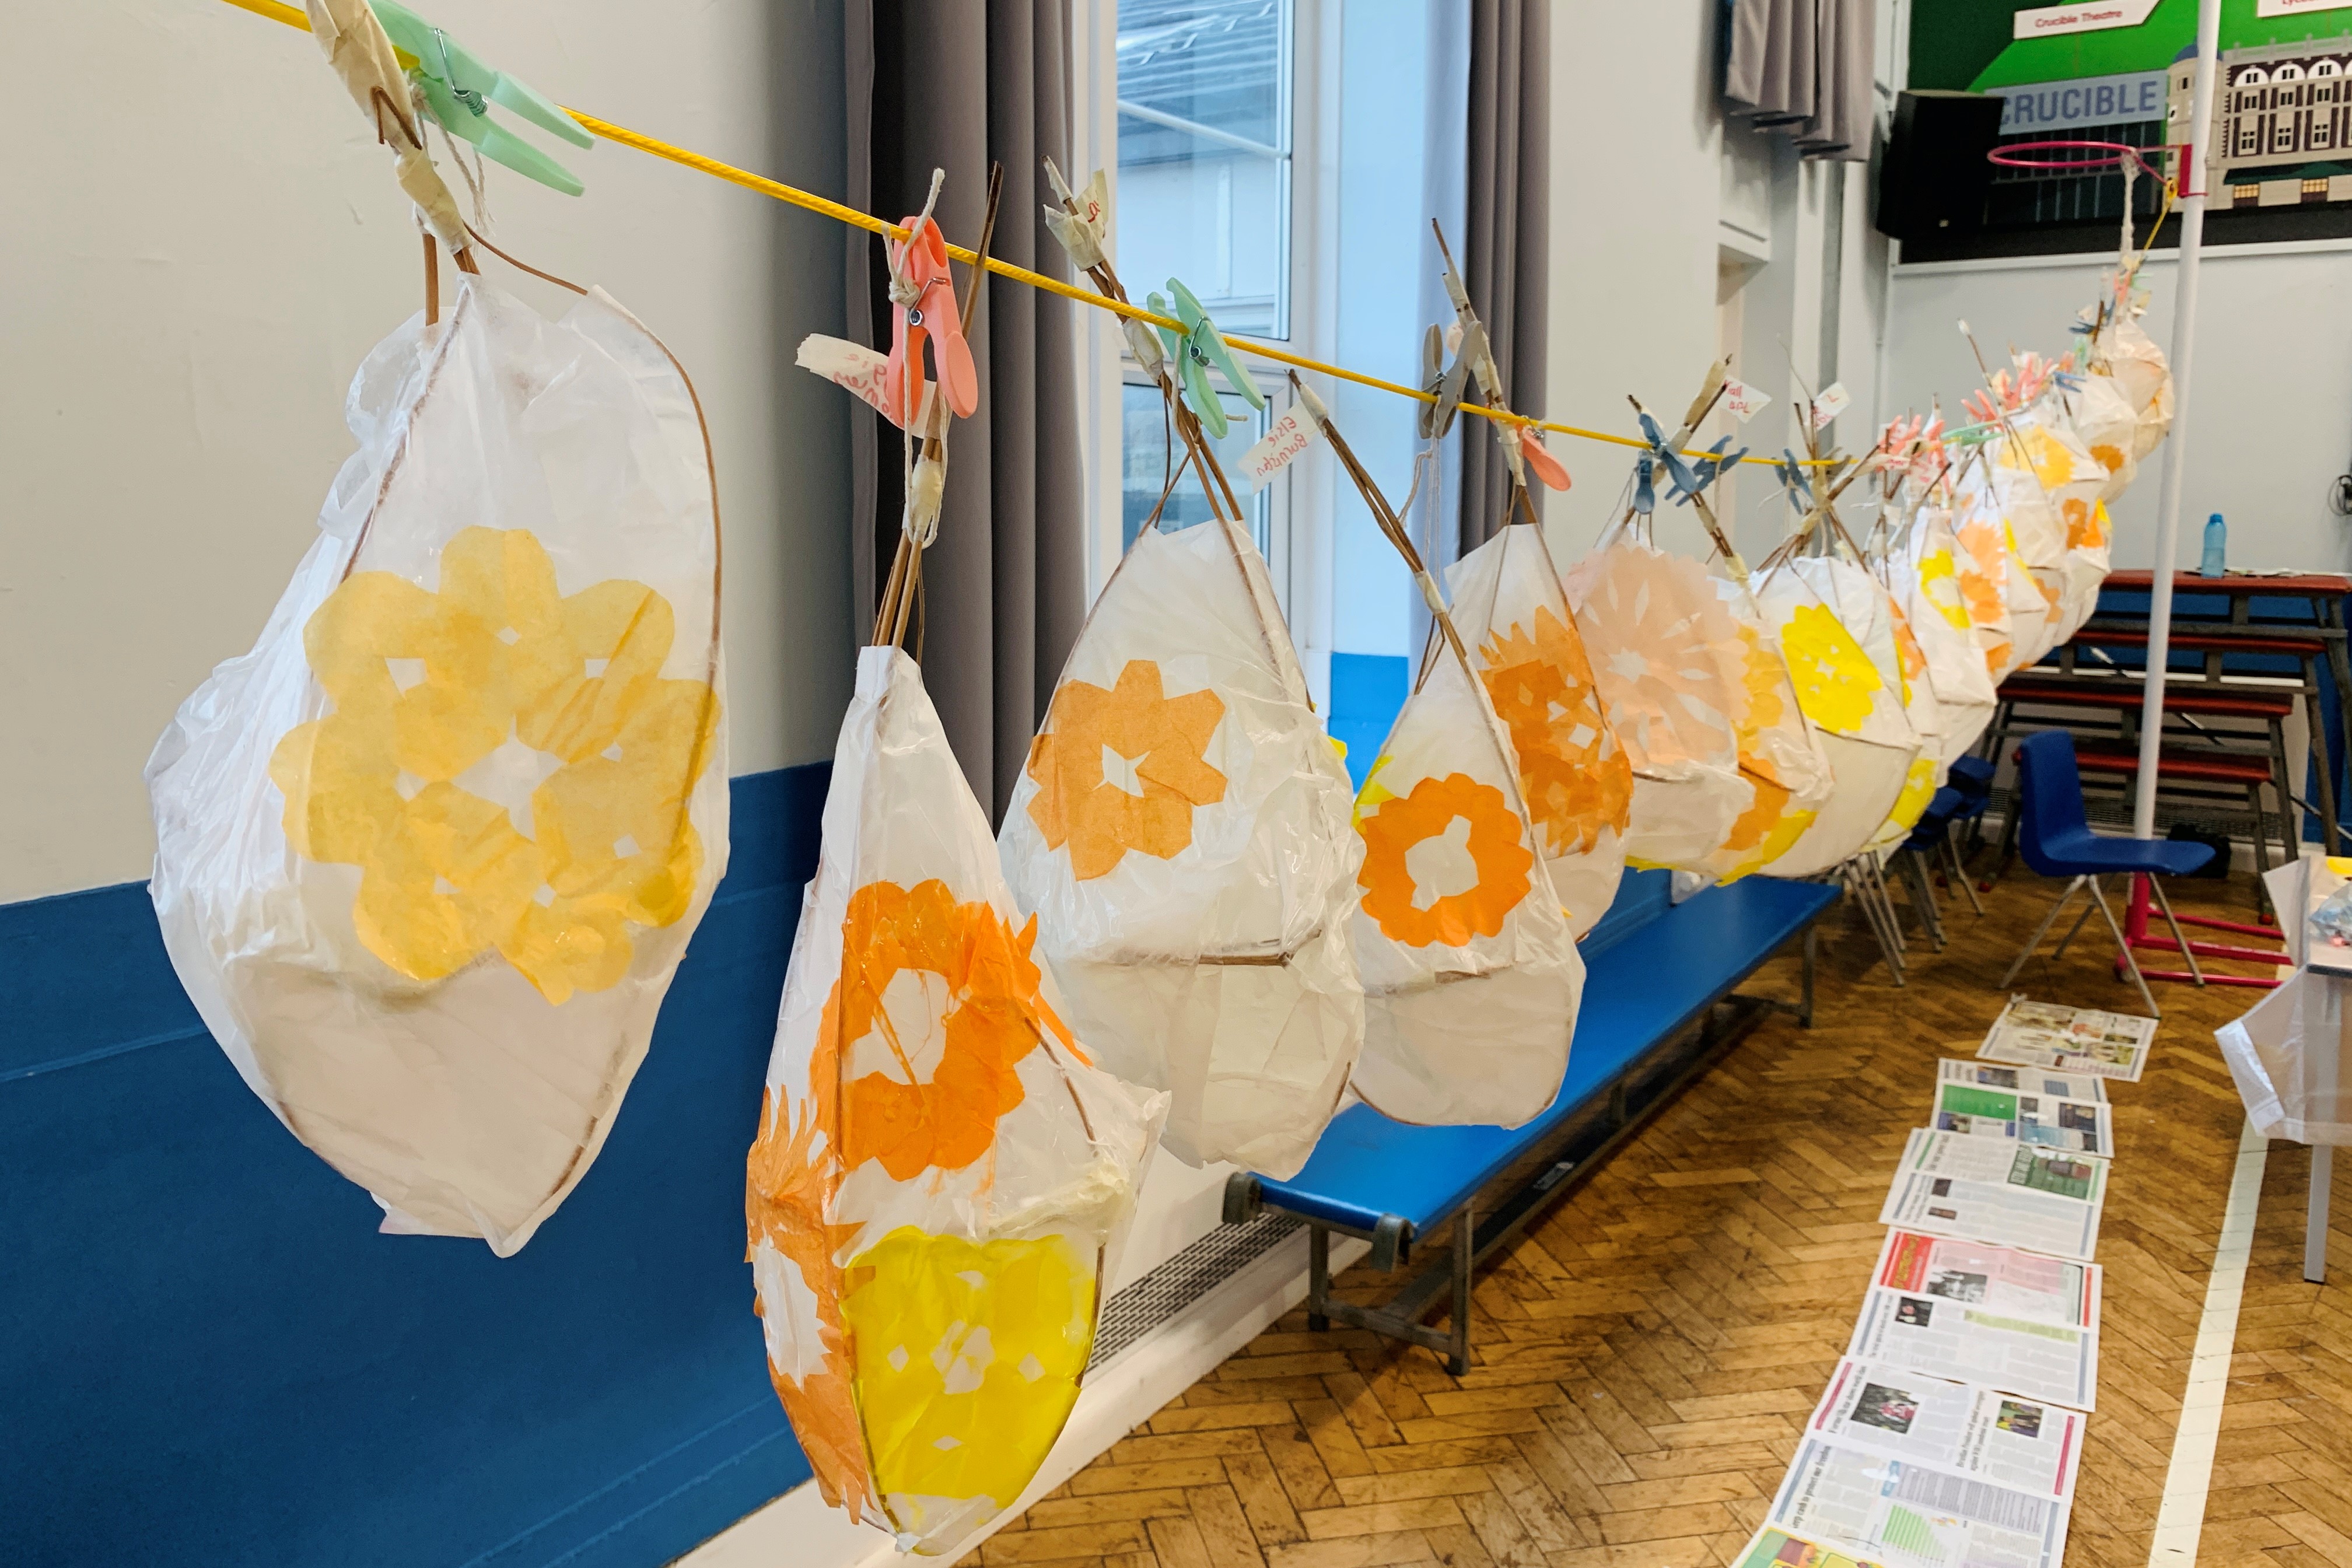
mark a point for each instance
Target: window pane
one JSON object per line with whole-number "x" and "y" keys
{"x": 1143, "y": 468}
{"x": 1204, "y": 155}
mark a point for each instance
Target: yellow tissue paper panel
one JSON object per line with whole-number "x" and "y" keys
{"x": 497, "y": 655}
{"x": 969, "y": 1357}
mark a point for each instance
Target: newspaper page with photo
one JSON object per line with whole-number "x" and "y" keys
{"x": 2024, "y": 1080}
{"x": 1953, "y": 1339}
{"x": 1774, "y": 1547}
{"x": 2000, "y": 1280}
{"x": 1917, "y": 1515}
{"x": 1988, "y": 1189}
{"x": 2069, "y": 1039}
{"x": 2024, "y": 1445}
{"x": 2041, "y": 1119}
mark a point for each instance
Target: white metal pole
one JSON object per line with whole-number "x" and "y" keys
{"x": 2195, "y": 160}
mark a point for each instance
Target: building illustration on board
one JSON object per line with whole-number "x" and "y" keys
{"x": 2282, "y": 123}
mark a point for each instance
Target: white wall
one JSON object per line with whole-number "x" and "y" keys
{"x": 2271, "y": 417}
{"x": 203, "y": 241}
{"x": 1652, "y": 193}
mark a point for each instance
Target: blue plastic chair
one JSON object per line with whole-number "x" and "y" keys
{"x": 2055, "y": 839}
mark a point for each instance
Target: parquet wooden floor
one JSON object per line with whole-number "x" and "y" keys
{"x": 1647, "y": 1352}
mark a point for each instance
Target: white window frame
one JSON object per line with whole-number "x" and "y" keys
{"x": 1300, "y": 522}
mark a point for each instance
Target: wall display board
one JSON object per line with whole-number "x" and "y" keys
{"x": 2120, "y": 71}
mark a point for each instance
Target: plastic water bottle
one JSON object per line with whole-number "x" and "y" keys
{"x": 2217, "y": 545}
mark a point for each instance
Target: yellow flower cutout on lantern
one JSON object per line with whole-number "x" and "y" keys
{"x": 1123, "y": 769}
{"x": 1541, "y": 685}
{"x": 1395, "y": 823}
{"x": 969, "y": 1357}
{"x": 499, "y": 668}
{"x": 1767, "y": 828}
{"x": 945, "y": 1056}
{"x": 1834, "y": 679}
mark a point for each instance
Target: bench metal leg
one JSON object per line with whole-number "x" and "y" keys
{"x": 2156, "y": 886}
{"x": 1318, "y": 1278}
{"x": 1813, "y": 945}
{"x": 1465, "y": 1253}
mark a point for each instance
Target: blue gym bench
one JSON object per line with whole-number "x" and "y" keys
{"x": 1659, "y": 1005}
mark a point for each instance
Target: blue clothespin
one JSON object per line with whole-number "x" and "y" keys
{"x": 1686, "y": 480}
{"x": 1197, "y": 349}
{"x": 459, "y": 89}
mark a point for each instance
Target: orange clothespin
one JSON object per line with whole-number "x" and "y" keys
{"x": 923, "y": 296}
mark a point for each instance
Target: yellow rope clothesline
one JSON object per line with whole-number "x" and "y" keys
{"x": 293, "y": 16}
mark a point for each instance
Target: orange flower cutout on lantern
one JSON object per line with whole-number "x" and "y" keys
{"x": 1502, "y": 860}
{"x": 1575, "y": 782}
{"x": 952, "y": 1045}
{"x": 1123, "y": 769}
{"x": 787, "y": 1187}
{"x": 2086, "y": 524}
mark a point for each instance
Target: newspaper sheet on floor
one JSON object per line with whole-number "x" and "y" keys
{"x": 1934, "y": 1334}
{"x": 2027, "y": 1080}
{"x": 2046, "y": 1121}
{"x": 1926, "y": 1470}
{"x": 1990, "y": 1189}
{"x": 1775, "y": 1547}
{"x": 2070, "y": 1039}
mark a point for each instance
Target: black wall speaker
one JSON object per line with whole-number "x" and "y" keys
{"x": 1931, "y": 185}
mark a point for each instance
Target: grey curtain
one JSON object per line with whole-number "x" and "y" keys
{"x": 954, "y": 84}
{"x": 1506, "y": 211}
{"x": 1807, "y": 67}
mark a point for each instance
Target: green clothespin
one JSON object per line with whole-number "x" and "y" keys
{"x": 1195, "y": 351}
{"x": 459, "y": 89}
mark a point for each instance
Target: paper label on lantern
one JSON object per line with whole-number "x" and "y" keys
{"x": 1291, "y": 434}
{"x": 1743, "y": 401}
{"x": 1831, "y": 404}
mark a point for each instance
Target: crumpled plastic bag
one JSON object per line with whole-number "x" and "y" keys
{"x": 428, "y": 856}
{"x": 1672, "y": 670}
{"x": 2288, "y": 1055}
{"x": 1835, "y": 628}
{"x": 1183, "y": 832}
{"x": 941, "y": 1176}
{"x": 1471, "y": 974}
{"x": 1513, "y": 618}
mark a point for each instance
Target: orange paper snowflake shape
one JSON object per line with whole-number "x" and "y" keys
{"x": 1497, "y": 850}
{"x": 1123, "y": 769}
{"x": 1575, "y": 782}
{"x": 975, "y": 1013}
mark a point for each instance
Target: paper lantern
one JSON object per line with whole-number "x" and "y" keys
{"x": 1513, "y": 616}
{"x": 1923, "y": 706}
{"x": 1182, "y": 831}
{"x": 1471, "y": 974}
{"x": 1835, "y": 628}
{"x": 1928, "y": 587}
{"x": 1981, "y": 522}
{"x": 1672, "y": 669}
{"x": 427, "y": 856}
{"x": 940, "y": 1175}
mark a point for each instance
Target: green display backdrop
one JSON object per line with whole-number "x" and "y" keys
{"x": 1967, "y": 44}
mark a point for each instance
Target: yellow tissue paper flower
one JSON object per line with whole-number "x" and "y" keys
{"x": 969, "y": 1356}
{"x": 428, "y": 685}
{"x": 1834, "y": 679}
